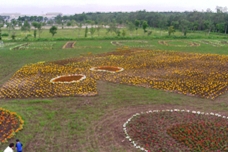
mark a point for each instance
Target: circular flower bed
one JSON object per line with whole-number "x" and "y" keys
{"x": 10, "y": 123}
{"x": 68, "y": 78}
{"x": 177, "y": 130}
{"x": 111, "y": 69}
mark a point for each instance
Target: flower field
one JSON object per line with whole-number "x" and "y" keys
{"x": 200, "y": 75}
{"x": 34, "y": 81}
{"x": 10, "y": 123}
{"x": 177, "y": 130}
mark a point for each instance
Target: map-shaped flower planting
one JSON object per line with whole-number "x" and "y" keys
{"x": 33, "y": 81}
{"x": 10, "y": 123}
{"x": 111, "y": 69}
{"x": 200, "y": 75}
{"x": 177, "y": 130}
{"x": 68, "y": 78}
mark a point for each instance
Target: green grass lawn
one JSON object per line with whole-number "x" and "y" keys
{"x": 93, "y": 124}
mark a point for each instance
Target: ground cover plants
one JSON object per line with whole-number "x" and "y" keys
{"x": 177, "y": 130}
{"x": 10, "y": 123}
{"x": 64, "y": 120}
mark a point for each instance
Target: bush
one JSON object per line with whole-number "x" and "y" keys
{"x": 5, "y": 34}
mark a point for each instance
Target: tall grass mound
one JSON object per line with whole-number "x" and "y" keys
{"x": 192, "y": 74}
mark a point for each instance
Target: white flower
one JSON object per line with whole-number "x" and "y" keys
{"x": 142, "y": 148}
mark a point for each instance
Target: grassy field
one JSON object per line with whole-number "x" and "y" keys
{"x": 79, "y": 33}
{"x": 94, "y": 124}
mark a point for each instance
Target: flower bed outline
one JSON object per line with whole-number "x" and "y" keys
{"x": 136, "y": 145}
{"x": 74, "y": 81}
{"x": 102, "y": 70}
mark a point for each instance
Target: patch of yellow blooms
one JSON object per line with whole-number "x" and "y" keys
{"x": 202, "y": 75}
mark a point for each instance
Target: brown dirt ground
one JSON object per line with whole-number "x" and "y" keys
{"x": 69, "y": 45}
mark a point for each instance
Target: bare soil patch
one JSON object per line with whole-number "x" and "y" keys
{"x": 69, "y": 45}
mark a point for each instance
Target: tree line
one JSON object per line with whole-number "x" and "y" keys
{"x": 207, "y": 21}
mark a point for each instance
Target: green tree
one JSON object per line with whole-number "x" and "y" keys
{"x": 86, "y": 31}
{"x": 171, "y": 30}
{"x": 13, "y": 36}
{"x": 79, "y": 29}
{"x": 131, "y": 27}
{"x": 123, "y": 33}
{"x": 39, "y": 27}
{"x": 137, "y": 24}
{"x": 184, "y": 26}
{"x": 26, "y": 26}
{"x": 1, "y": 25}
{"x": 53, "y": 30}
{"x": 92, "y": 31}
{"x": 144, "y": 26}
{"x": 208, "y": 25}
{"x": 35, "y": 25}
{"x": 98, "y": 29}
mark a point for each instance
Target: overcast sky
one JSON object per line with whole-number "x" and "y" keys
{"x": 39, "y": 7}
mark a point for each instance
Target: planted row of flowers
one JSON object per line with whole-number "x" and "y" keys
{"x": 10, "y": 123}
{"x": 177, "y": 130}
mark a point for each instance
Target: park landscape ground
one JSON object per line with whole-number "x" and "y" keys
{"x": 158, "y": 74}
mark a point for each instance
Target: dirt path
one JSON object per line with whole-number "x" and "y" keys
{"x": 69, "y": 45}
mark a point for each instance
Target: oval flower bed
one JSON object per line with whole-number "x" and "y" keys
{"x": 68, "y": 78}
{"x": 111, "y": 69}
{"x": 10, "y": 123}
{"x": 177, "y": 130}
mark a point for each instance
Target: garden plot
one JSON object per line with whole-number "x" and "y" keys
{"x": 191, "y": 74}
{"x": 215, "y": 43}
{"x": 69, "y": 45}
{"x": 179, "y": 43}
{"x": 177, "y": 130}
{"x": 10, "y": 123}
{"x": 132, "y": 43}
{"x": 34, "y": 46}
